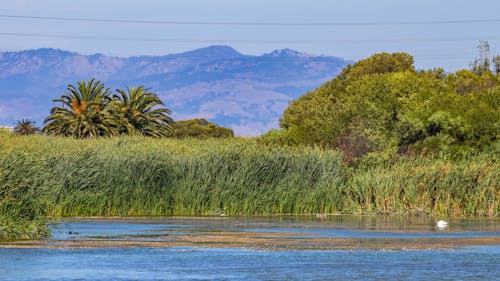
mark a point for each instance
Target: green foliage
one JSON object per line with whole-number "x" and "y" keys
{"x": 26, "y": 127}
{"x": 379, "y": 64}
{"x": 141, "y": 112}
{"x": 200, "y": 129}
{"x": 22, "y": 200}
{"x": 279, "y": 138}
{"x": 143, "y": 176}
{"x": 140, "y": 176}
{"x": 469, "y": 186}
{"x": 88, "y": 110}
{"x": 322, "y": 117}
{"x": 466, "y": 81}
{"x": 83, "y": 112}
{"x": 381, "y": 104}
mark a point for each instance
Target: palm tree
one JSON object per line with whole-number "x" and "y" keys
{"x": 84, "y": 112}
{"x": 26, "y": 127}
{"x": 143, "y": 112}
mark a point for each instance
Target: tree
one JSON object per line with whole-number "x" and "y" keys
{"x": 381, "y": 63}
{"x": 89, "y": 110}
{"x": 381, "y": 105}
{"x": 142, "y": 111}
{"x": 84, "y": 112}
{"x": 26, "y": 127}
{"x": 323, "y": 116}
{"x": 201, "y": 129}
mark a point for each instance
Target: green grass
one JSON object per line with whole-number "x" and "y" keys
{"x": 131, "y": 176}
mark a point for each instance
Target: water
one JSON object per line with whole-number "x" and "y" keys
{"x": 331, "y": 226}
{"x": 479, "y": 263}
{"x": 217, "y": 263}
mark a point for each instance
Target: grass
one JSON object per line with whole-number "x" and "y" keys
{"x": 129, "y": 176}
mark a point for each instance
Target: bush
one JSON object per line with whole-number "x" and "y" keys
{"x": 200, "y": 129}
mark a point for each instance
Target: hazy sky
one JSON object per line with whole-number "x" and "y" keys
{"x": 437, "y": 32}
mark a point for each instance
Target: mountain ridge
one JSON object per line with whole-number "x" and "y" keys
{"x": 245, "y": 92}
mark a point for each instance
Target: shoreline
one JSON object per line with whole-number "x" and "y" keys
{"x": 272, "y": 241}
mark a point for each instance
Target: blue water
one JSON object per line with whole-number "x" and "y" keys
{"x": 346, "y": 227}
{"x": 474, "y": 263}
{"x": 195, "y": 263}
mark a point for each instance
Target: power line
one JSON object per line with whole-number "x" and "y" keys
{"x": 253, "y": 41}
{"x": 262, "y": 23}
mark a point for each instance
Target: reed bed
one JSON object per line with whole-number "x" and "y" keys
{"x": 131, "y": 176}
{"x": 468, "y": 187}
{"x": 141, "y": 176}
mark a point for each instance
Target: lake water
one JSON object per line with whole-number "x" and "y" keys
{"x": 195, "y": 262}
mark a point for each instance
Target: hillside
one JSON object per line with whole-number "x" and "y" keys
{"x": 243, "y": 92}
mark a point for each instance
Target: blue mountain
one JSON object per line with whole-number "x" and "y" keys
{"x": 246, "y": 93}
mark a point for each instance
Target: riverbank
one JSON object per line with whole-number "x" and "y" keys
{"x": 259, "y": 241}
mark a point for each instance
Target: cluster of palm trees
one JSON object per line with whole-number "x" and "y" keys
{"x": 91, "y": 110}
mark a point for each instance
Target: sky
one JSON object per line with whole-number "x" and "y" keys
{"x": 442, "y": 33}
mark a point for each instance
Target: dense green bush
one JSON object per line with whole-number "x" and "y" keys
{"x": 382, "y": 105}
{"x": 200, "y": 129}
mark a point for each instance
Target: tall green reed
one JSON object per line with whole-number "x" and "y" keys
{"x": 143, "y": 176}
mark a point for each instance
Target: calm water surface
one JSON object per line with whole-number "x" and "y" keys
{"x": 195, "y": 263}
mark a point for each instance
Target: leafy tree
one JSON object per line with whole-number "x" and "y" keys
{"x": 140, "y": 108}
{"x": 84, "y": 112}
{"x": 481, "y": 114}
{"x": 381, "y": 63}
{"x": 306, "y": 117}
{"x": 200, "y": 128}
{"x": 466, "y": 81}
{"x": 381, "y": 105}
{"x": 322, "y": 116}
{"x": 26, "y": 127}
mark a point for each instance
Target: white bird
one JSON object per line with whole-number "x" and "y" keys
{"x": 442, "y": 224}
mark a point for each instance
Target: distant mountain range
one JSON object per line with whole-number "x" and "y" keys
{"x": 246, "y": 93}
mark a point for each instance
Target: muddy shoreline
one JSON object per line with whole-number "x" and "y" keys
{"x": 274, "y": 241}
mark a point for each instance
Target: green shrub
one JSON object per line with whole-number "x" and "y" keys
{"x": 200, "y": 129}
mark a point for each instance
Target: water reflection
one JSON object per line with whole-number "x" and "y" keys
{"x": 328, "y": 227}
